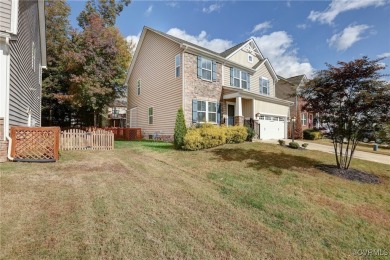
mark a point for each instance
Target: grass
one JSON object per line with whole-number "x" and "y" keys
{"x": 145, "y": 200}
{"x": 364, "y": 147}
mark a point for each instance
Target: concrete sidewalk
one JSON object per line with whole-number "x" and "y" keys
{"x": 379, "y": 158}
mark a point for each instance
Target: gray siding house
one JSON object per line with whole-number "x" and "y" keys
{"x": 232, "y": 87}
{"x": 22, "y": 57}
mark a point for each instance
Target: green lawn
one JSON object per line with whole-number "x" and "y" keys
{"x": 145, "y": 200}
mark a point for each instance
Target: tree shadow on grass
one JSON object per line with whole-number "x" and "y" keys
{"x": 263, "y": 160}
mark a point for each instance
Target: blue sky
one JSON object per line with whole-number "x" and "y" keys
{"x": 298, "y": 37}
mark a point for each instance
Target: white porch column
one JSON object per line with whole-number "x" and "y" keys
{"x": 253, "y": 109}
{"x": 238, "y": 107}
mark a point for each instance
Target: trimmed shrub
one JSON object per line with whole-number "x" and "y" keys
{"x": 304, "y": 145}
{"x": 310, "y": 134}
{"x": 208, "y": 135}
{"x": 202, "y": 137}
{"x": 193, "y": 140}
{"x": 293, "y": 145}
{"x": 281, "y": 142}
{"x": 235, "y": 134}
{"x": 180, "y": 129}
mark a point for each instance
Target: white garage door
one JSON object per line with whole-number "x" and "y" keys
{"x": 272, "y": 127}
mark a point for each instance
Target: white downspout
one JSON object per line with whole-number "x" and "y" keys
{"x": 9, "y": 148}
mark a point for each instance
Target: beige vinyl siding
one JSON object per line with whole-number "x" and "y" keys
{"x": 241, "y": 57}
{"x": 247, "y": 108}
{"x": 5, "y": 15}
{"x": 262, "y": 71}
{"x": 25, "y": 90}
{"x": 271, "y": 109}
{"x": 160, "y": 89}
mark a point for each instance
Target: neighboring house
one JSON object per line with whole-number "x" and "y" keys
{"x": 117, "y": 113}
{"x": 167, "y": 73}
{"x": 286, "y": 88}
{"x": 22, "y": 57}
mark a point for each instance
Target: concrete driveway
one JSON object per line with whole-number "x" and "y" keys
{"x": 379, "y": 158}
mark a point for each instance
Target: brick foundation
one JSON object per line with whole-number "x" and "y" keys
{"x": 239, "y": 120}
{"x": 3, "y": 151}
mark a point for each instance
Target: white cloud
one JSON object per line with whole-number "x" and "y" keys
{"x": 350, "y": 35}
{"x": 133, "y": 39}
{"x": 262, "y": 26}
{"x": 149, "y": 10}
{"x": 217, "y": 45}
{"x": 211, "y": 8}
{"x": 338, "y": 6}
{"x": 302, "y": 26}
{"x": 278, "y": 48}
{"x": 384, "y": 55}
{"x": 172, "y": 4}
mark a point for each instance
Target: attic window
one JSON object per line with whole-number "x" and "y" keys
{"x": 250, "y": 58}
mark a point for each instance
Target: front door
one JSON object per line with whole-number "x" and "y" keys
{"x": 230, "y": 114}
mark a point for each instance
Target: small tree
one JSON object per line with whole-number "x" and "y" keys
{"x": 180, "y": 129}
{"x": 350, "y": 98}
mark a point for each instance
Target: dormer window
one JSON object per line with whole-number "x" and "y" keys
{"x": 250, "y": 58}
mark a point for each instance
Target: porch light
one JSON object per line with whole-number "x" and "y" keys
{"x": 293, "y": 119}
{"x": 257, "y": 115}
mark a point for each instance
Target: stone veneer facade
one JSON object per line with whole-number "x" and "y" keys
{"x": 195, "y": 88}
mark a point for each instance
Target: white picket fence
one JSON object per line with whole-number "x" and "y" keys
{"x": 77, "y": 139}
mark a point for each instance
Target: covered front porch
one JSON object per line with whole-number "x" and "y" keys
{"x": 268, "y": 116}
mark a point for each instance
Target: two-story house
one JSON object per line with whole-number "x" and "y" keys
{"x": 22, "y": 57}
{"x": 220, "y": 88}
{"x": 117, "y": 113}
{"x": 287, "y": 88}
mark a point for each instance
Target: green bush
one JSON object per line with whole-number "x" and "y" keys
{"x": 310, "y": 134}
{"x": 208, "y": 135}
{"x": 180, "y": 130}
{"x": 281, "y": 142}
{"x": 293, "y": 145}
{"x": 251, "y": 133}
{"x": 235, "y": 134}
{"x": 304, "y": 145}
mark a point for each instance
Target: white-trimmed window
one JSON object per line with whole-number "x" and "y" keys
{"x": 304, "y": 118}
{"x": 207, "y": 112}
{"x": 138, "y": 87}
{"x": 177, "y": 65}
{"x": 240, "y": 79}
{"x": 264, "y": 86}
{"x": 250, "y": 58}
{"x": 33, "y": 55}
{"x": 212, "y": 112}
{"x": 150, "y": 115}
{"x": 207, "y": 70}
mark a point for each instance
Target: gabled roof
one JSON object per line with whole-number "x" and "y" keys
{"x": 180, "y": 41}
{"x": 221, "y": 57}
{"x": 229, "y": 51}
{"x": 296, "y": 80}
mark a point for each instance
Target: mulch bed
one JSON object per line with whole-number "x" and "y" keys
{"x": 350, "y": 174}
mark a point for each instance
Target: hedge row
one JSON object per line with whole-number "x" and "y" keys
{"x": 310, "y": 134}
{"x": 207, "y": 136}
